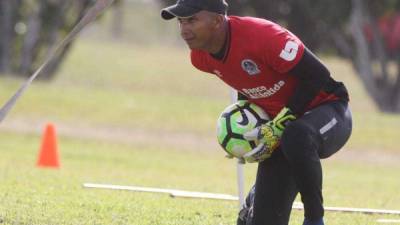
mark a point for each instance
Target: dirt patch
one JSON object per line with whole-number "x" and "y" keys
{"x": 371, "y": 156}
{"x": 177, "y": 140}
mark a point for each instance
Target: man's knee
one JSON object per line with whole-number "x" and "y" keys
{"x": 300, "y": 141}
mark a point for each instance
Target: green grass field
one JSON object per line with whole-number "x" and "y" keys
{"x": 132, "y": 114}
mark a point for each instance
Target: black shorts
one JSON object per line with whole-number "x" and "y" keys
{"x": 295, "y": 166}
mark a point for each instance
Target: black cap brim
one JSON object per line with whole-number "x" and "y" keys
{"x": 178, "y": 11}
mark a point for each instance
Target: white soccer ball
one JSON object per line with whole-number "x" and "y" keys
{"x": 236, "y": 120}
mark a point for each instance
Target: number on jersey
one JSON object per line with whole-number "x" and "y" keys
{"x": 290, "y": 51}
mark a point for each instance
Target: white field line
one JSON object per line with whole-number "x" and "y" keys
{"x": 388, "y": 221}
{"x": 298, "y": 205}
{"x": 205, "y": 195}
{"x": 171, "y": 192}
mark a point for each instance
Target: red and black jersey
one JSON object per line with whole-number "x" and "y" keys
{"x": 257, "y": 63}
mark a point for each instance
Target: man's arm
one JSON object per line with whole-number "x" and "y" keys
{"x": 313, "y": 76}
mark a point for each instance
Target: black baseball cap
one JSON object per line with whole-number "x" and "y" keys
{"x": 187, "y": 8}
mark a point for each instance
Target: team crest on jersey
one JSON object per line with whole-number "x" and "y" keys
{"x": 250, "y": 67}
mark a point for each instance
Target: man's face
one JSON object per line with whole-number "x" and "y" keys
{"x": 198, "y": 30}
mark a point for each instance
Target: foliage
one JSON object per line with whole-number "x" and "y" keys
{"x": 30, "y": 29}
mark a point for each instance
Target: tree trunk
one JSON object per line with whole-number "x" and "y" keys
{"x": 343, "y": 46}
{"x": 7, "y": 11}
{"x": 396, "y": 88}
{"x": 362, "y": 57}
{"x": 30, "y": 41}
{"x": 52, "y": 35}
{"x": 384, "y": 92}
{"x": 117, "y": 19}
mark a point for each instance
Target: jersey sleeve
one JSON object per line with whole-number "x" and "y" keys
{"x": 282, "y": 49}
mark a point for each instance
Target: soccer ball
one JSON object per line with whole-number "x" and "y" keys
{"x": 236, "y": 120}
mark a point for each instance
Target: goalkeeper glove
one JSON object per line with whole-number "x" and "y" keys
{"x": 268, "y": 135}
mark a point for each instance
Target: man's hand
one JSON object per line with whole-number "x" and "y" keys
{"x": 240, "y": 160}
{"x": 268, "y": 135}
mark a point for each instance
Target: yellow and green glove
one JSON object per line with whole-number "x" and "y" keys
{"x": 268, "y": 135}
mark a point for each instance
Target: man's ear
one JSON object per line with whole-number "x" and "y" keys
{"x": 219, "y": 20}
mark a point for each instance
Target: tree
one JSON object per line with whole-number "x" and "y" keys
{"x": 8, "y": 18}
{"x": 117, "y": 19}
{"x": 321, "y": 23}
{"x": 373, "y": 57}
{"x": 30, "y": 29}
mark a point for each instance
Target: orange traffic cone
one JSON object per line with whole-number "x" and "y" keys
{"x": 48, "y": 155}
